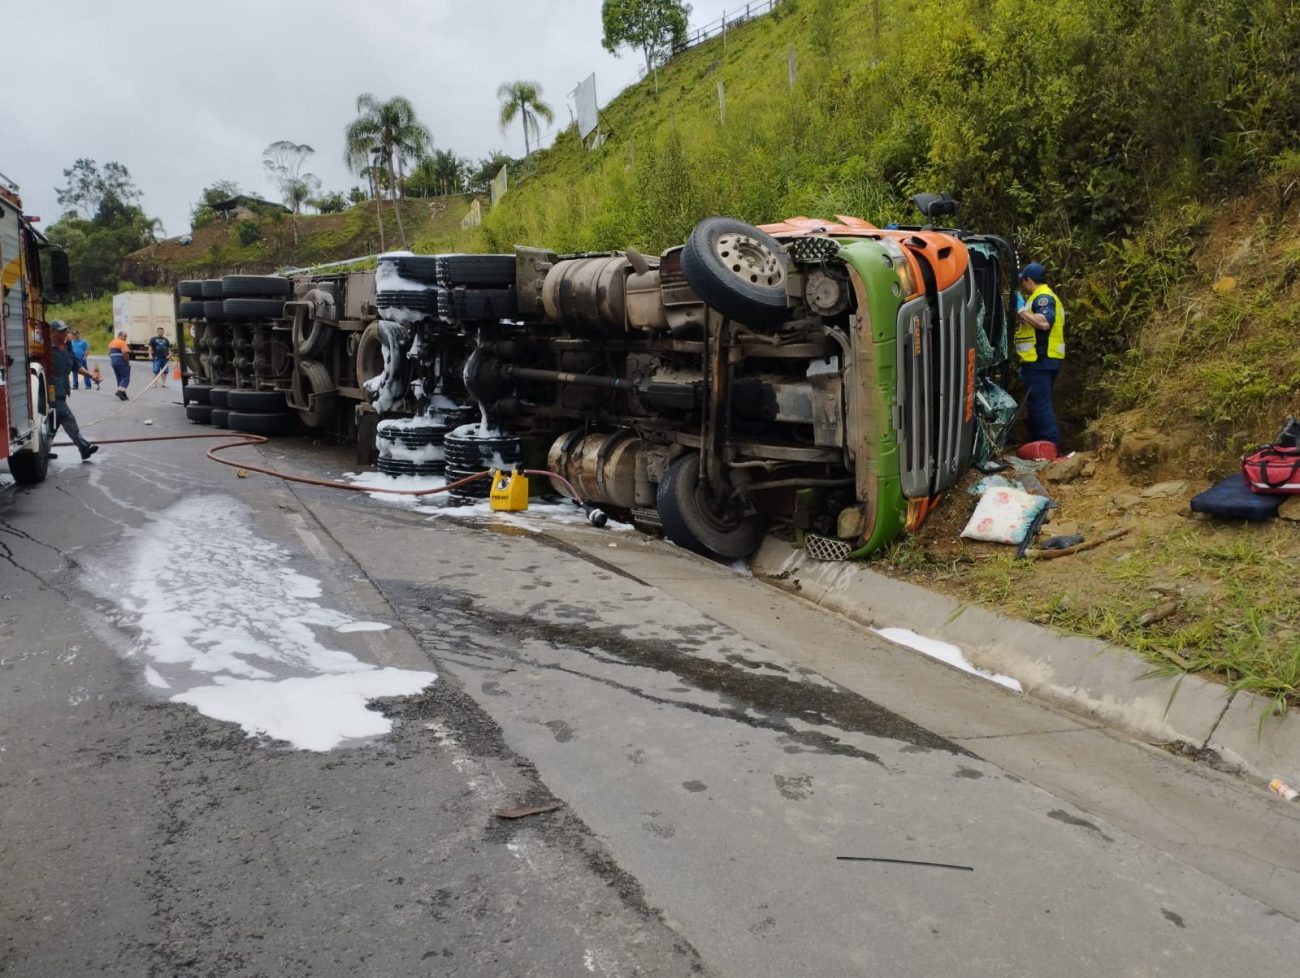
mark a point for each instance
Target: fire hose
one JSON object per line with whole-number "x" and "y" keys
{"x": 595, "y": 515}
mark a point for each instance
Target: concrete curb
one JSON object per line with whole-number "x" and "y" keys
{"x": 1084, "y": 675}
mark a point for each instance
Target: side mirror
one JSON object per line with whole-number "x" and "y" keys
{"x": 935, "y": 205}
{"x": 60, "y": 275}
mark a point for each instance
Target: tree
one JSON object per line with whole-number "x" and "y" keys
{"x": 383, "y": 137}
{"x": 483, "y": 172}
{"x": 202, "y": 214}
{"x": 523, "y": 99}
{"x": 437, "y": 175}
{"x": 654, "y": 26}
{"x": 330, "y": 203}
{"x": 284, "y": 160}
{"x": 88, "y": 187}
{"x": 357, "y": 196}
{"x": 103, "y": 224}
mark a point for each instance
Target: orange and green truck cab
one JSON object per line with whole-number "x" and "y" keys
{"x": 930, "y": 312}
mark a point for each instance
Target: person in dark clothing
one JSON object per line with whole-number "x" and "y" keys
{"x": 1040, "y": 344}
{"x": 64, "y": 364}
{"x": 160, "y": 349}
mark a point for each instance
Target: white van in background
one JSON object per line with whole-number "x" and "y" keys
{"x": 140, "y": 314}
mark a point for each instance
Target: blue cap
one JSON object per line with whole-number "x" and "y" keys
{"x": 59, "y": 326}
{"x": 1035, "y": 271}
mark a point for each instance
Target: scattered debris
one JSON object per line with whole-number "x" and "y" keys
{"x": 1043, "y": 554}
{"x": 1159, "y": 613}
{"x": 903, "y": 862}
{"x": 1006, "y": 516}
{"x": 1061, "y": 541}
{"x": 523, "y": 811}
{"x": 1036, "y": 488}
{"x": 1067, "y": 469}
{"x": 993, "y": 482}
{"x": 1279, "y": 787}
{"x": 1031, "y": 533}
{"x": 1124, "y": 501}
{"x": 1165, "y": 490}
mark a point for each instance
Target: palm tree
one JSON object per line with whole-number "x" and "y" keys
{"x": 524, "y": 99}
{"x": 386, "y": 133}
{"x": 448, "y": 171}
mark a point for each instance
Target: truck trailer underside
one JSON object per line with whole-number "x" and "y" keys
{"x": 822, "y": 376}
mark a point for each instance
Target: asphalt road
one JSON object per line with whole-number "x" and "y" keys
{"x": 715, "y": 746}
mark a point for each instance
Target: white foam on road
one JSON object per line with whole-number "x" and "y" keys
{"x": 944, "y": 652}
{"x": 363, "y": 626}
{"x": 437, "y": 504}
{"x": 316, "y": 713}
{"x": 231, "y": 627}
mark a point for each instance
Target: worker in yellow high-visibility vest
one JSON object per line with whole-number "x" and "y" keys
{"x": 1040, "y": 344}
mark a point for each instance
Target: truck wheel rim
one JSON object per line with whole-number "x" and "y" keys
{"x": 750, "y": 259}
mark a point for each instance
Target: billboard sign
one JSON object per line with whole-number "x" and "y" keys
{"x": 584, "y": 98}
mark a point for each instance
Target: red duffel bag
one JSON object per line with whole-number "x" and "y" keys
{"x": 1273, "y": 470}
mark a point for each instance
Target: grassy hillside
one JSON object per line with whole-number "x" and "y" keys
{"x": 1121, "y": 144}
{"x": 1101, "y": 137}
{"x": 303, "y": 240}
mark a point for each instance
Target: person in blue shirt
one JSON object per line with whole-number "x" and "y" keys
{"x": 80, "y": 348}
{"x": 160, "y": 348}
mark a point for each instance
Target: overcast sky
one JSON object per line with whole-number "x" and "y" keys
{"x": 184, "y": 93}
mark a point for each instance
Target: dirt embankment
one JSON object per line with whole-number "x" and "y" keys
{"x": 1214, "y": 374}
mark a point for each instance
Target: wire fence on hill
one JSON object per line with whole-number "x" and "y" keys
{"x": 724, "y": 23}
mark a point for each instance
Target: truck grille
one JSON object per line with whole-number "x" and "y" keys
{"x": 933, "y": 415}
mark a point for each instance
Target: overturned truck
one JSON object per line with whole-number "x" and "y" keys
{"x": 831, "y": 376}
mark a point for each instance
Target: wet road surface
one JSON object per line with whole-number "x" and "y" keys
{"x": 716, "y": 748}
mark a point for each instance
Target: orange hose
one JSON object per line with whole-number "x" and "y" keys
{"x": 250, "y": 439}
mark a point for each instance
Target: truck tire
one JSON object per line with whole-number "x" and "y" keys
{"x": 424, "y": 300}
{"x": 192, "y": 309}
{"x": 491, "y": 271}
{"x": 420, "y": 268}
{"x": 199, "y": 413}
{"x": 255, "y": 286}
{"x": 370, "y": 355}
{"x": 212, "y": 309}
{"x": 410, "y": 437}
{"x": 401, "y": 466}
{"x": 737, "y": 269}
{"x": 219, "y": 417}
{"x": 217, "y": 396}
{"x": 469, "y": 453}
{"x": 253, "y": 308}
{"x": 485, "y": 305}
{"x": 30, "y": 468}
{"x": 211, "y": 288}
{"x": 316, "y": 388}
{"x": 689, "y": 522}
{"x": 256, "y": 401}
{"x": 311, "y": 337}
{"x": 263, "y": 422}
{"x": 196, "y": 393}
{"x": 190, "y": 288}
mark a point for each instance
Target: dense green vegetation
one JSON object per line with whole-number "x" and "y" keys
{"x": 1098, "y": 136}
{"x": 101, "y": 224}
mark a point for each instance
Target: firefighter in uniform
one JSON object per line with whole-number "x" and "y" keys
{"x": 1040, "y": 344}
{"x": 64, "y": 364}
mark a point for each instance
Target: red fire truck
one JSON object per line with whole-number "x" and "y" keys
{"x": 26, "y": 398}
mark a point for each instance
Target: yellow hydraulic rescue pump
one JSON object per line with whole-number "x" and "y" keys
{"x": 509, "y": 491}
